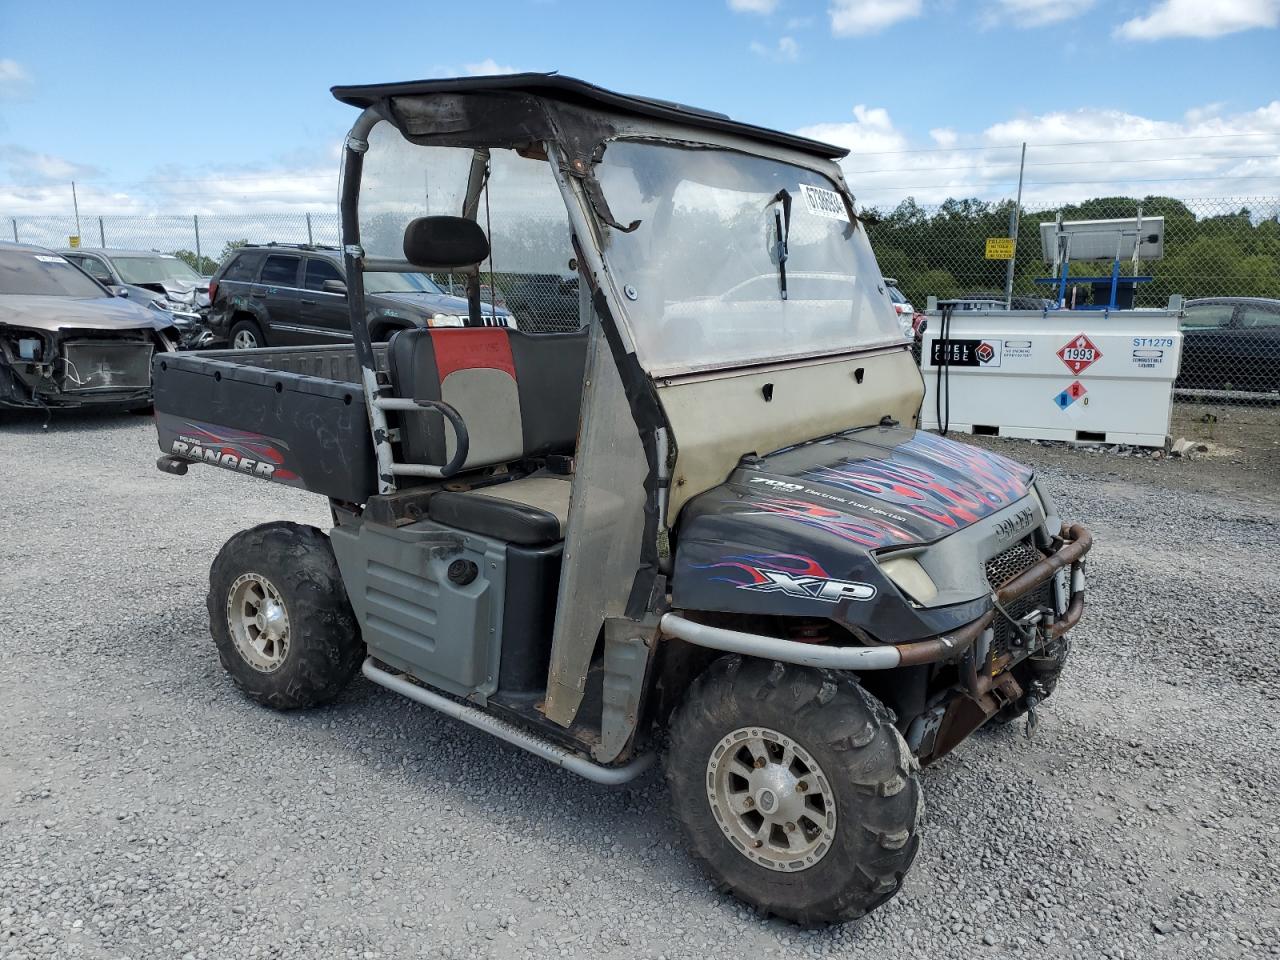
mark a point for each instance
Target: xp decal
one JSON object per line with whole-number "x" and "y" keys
{"x": 790, "y": 575}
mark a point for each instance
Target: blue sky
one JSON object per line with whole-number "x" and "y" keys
{"x": 162, "y": 107}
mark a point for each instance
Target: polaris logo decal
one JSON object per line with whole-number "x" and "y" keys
{"x": 1007, "y": 527}
{"x": 809, "y": 588}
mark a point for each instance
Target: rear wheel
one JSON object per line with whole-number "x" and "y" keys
{"x": 794, "y": 789}
{"x": 247, "y": 335}
{"x": 280, "y": 617}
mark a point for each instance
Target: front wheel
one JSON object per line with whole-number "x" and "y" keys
{"x": 280, "y": 617}
{"x": 794, "y": 789}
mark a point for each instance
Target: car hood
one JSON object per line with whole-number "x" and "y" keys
{"x": 796, "y": 533}
{"x": 875, "y": 488}
{"x": 435, "y": 303}
{"x": 74, "y": 313}
{"x": 195, "y": 292}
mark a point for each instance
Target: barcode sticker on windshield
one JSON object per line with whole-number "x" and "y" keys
{"x": 824, "y": 203}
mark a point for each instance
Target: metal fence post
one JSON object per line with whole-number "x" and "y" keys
{"x": 14, "y": 221}
{"x": 310, "y": 242}
{"x": 195, "y": 219}
{"x": 102, "y": 235}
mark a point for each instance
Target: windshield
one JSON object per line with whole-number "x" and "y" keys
{"x": 37, "y": 273}
{"x": 737, "y": 259}
{"x": 399, "y": 283}
{"x": 158, "y": 269}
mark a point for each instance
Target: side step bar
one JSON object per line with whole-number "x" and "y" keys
{"x": 609, "y": 776}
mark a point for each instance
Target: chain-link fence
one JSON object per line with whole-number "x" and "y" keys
{"x": 1221, "y": 254}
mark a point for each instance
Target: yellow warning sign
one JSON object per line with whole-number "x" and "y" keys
{"x": 73, "y": 241}
{"x": 999, "y": 248}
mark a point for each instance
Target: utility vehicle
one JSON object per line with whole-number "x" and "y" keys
{"x": 705, "y": 519}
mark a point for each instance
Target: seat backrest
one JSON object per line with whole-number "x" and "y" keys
{"x": 518, "y": 393}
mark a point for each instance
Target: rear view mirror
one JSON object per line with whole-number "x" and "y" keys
{"x": 335, "y": 286}
{"x": 119, "y": 291}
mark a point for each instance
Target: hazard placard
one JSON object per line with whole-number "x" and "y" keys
{"x": 999, "y": 248}
{"x": 1079, "y": 354}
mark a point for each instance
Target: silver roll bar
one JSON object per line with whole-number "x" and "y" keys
{"x": 775, "y": 648}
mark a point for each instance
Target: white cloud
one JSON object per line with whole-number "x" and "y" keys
{"x": 487, "y": 67}
{"x": 15, "y": 82}
{"x": 1200, "y": 18}
{"x": 787, "y": 50}
{"x": 871, "y": 131}
{"x": 753, "y": 6}
{"x": 1033, "y": 13}
{"x": 850, "y": 18}
{"x": 1071, "y": 155}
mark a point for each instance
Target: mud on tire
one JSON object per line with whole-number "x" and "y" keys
{"x": 323, "y": 649}
{"x": 850, "y": 735}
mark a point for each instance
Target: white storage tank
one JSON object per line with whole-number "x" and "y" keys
{"x": 1074, "y": 375}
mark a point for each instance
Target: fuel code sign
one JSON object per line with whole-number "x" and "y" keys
{"x": 1079, "y": 354}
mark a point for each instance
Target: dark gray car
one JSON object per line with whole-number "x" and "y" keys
{"x": 285, "y": 295}
{"x": 1231, "y": 344}
{"x": 66, "y": 341}
{"x": 158, "y": 280}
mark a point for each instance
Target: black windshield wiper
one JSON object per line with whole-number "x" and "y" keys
{"x": 782, "y": 224}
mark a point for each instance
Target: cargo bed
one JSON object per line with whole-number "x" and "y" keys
{"x": 295, "y": 415}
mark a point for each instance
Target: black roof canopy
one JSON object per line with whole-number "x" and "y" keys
{"x": 567, "y": 90}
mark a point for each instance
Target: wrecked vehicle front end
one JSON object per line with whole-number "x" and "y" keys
{"x": 64, "y": 341}
{"x": 941, "y": 569}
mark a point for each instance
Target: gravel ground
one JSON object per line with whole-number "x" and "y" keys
{"x": 147, "y": 810}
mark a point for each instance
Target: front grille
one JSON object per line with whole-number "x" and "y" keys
{"x": 1000, "y": 570}
{"x": 103, "y": 365}
{"x": 1003, "y": 567}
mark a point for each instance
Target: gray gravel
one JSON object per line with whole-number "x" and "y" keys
{"x": 147, "y": 810}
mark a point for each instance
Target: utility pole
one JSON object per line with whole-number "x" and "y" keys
{"x": 76, "y": 204}
{"x": 1014, "y": 216}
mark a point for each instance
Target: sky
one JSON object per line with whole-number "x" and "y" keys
{"x": 162, "y": 108}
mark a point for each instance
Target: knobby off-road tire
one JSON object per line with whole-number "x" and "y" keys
{"x": 829, "y": 724}
{"x": 1045, "y": 670}
{"x": 279, "y": 614}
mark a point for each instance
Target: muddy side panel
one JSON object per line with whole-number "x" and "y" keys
{"x": 293, "y": 428}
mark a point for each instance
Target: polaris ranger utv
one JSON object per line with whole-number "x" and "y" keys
{"x": 706, "y": 518}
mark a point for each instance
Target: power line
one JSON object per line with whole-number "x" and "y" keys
{"x": 1065, "y": 143}
{"x": 1081, "y": 163}
{"x": 1119, "y": 181}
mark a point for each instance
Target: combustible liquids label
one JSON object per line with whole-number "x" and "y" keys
{"x": 999, "y": 248}
{"x": 1079, "y": 354}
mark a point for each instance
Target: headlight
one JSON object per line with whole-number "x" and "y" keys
{"x": 447, "y": 320}
{"x": 911, "y": 578}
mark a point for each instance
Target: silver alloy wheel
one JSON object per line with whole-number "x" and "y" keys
{"x": 244, "y": 340}
{"x": 771, "y": 799}
{"x": 259, "y": 622}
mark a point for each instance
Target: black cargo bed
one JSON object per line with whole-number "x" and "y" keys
{"x": 295, "y": 415}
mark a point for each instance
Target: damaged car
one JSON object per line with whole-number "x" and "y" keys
{"x": 65, "y": 340}
{"x": 161, "y": 281}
